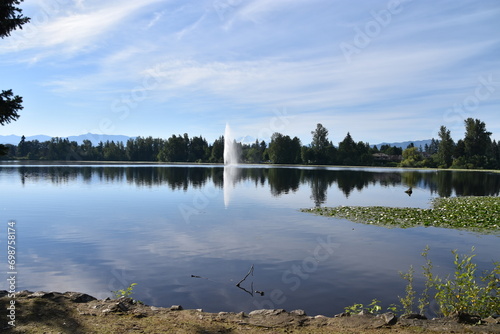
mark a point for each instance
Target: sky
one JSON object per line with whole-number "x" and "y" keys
{"x": 384, "y": 71}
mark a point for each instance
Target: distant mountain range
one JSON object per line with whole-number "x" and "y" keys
{"x": 404, "y": 144}
{"x": 95, "y": 139}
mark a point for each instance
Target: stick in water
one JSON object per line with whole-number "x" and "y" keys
{"x": 244, "y": 278}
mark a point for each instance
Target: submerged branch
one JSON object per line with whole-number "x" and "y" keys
{"x": 244, "y": 278}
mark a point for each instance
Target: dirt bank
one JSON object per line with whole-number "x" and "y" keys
{"x": 72, "y": 312}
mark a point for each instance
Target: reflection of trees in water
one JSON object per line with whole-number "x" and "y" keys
{"x": 319, "y": 187}
{"x": 56, "y": 175}
{"x": 281, "y": 180}
{"x": 443, "y": 184}
{"x": 446, "y": 183}
{"x": 349, "y": 180}
{"x": 476, "y": 184}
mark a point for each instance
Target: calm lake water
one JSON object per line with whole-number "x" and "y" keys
{"x": 99, "y": 228}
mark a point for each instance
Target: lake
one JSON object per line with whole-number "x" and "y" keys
{"x": 188, "y": 234}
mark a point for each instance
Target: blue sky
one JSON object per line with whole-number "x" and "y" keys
{"x": 382, "y": 70}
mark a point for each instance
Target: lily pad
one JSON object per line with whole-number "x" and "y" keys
{"x": 471, "y": 213}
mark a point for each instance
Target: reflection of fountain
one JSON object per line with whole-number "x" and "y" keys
{"x": 230, "y": 162}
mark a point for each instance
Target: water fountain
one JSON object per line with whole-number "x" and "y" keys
{"x": 230, "y": 164}
{"x": 230, "y": 148}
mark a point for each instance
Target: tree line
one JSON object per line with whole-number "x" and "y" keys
{"x": 475, "y": 150}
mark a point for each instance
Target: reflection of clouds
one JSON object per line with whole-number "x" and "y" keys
{"x": 64, "y": 276}
{"x": 162, "y": 259}
{"x": 96, "y": 238}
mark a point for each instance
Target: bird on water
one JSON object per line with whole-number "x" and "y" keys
{"x": 409, "y": 191}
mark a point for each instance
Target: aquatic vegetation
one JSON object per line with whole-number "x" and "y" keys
{"x": 465, "y": 292}
{"x": 472, "y": 212}
{"x": 462, "y": 292}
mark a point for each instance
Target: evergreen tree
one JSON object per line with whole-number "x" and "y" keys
{"x": 495, "y": 147}
{"x": 9, "y": 106}
{"x": 459, "y": 149}
{"x": 445, "y": 148}
{"x": 320, "y": 143}
{"x": 364, "y": 154}
{"x": 284, "y": 150}
{"x": 348, "y": 151}
{"x": 307, "y": 154}
{"x": 433, "y": 147}
{"x": 197, "y": 149}
{"x": 11, "y": 18}
{"x": 477, "y": 142}
{"x": 217, "y": 152}
{"x": 87, "y": 150}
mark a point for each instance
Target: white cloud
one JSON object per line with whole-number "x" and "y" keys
{"x": 256, "y": 11}
{"x": 316, "y": 83}
{"x": 74, "y": 32}
{"x": 214, "y": 57}
{"x": 157, "y": 16}
{"x": 191, "y": 27}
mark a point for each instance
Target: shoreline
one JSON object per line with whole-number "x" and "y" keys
{"x": 73, "y": 312}
{"x": 220, "y": 164}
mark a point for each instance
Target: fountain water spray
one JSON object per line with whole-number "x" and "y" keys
{"x": 230, "y": 162}
{"x": 230, "y": 149}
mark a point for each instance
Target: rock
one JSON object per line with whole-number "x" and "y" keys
{"x": 365, "y": 320}
{"x": 365, "y": 312}
{"x": 126, "y": 300}
{"x": 414, "y": 316}
{"x": 492, "y": 320}
{"x": 274, "y": 318}
{"x": 319, "y": 316}
{"x": 139, "y": 314}
{"x": 389, "y": 318}
{"x": 78, "y": 297}
{"x": 122, "y": 306}
{"x": 23, "y": 293}
{"x": 298, "y": 312}
{"x": 116, "y": 307}
{"x": 266, "y": 312}
{"x": 176, "y": 308}
{"x": 42, "y": 294}
{"x": 464, "y": 318}
{"x": 37, "y": 294}
{"x": 52, "y": 295}
{"x": 340, "y": 315}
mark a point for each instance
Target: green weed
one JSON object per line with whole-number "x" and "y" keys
{"x": 463, "y": 292}
{"x": 125, "y": 292}
{"x": 373, "y": 307}
{"x": 407, "y": 300}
